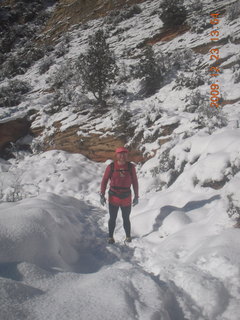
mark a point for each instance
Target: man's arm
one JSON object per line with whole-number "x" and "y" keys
{"x": 105, "y": 179}
{"x": 135, "y": 182}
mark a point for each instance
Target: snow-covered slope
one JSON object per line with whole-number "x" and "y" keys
{"x": 184, "y": 260}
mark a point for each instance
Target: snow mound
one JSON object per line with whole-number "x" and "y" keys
{"x": 117, "y": 292}
{"x": 49, "y": 231}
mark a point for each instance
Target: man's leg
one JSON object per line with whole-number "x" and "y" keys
{"x": 113, "y": 211}
{"x": 126, "y": 221}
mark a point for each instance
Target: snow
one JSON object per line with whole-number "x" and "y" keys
{"x": 184, "y": 260}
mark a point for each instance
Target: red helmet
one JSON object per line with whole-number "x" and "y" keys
{"x": 121, "y": 149}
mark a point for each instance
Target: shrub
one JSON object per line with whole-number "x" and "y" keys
{"x": 166, "y": 173}
{"x": 207, "y": 117}
{"x": 63, "y": 76}
{"x": 117, "y": 16}
{"x": 165, "y": 163}
{"x": 33, "y": 53}
{"x": 45, "y": 65}
{"x": 198, "y": 20}
{"x": 11, "y": 68}
{"x": 236, "y": 71}
{"x": 68, "y": 97}
{"x": 190, "y": 81}
{"x": 61, "y": 50}
{"x": 17, "y": 63}
{"x": 233, "y": 11}
{"x": 173, "y": 13}
{"x": 194, "y": 101}
{"x": 182, "y": 59}
{"x": 233, "y": 209}
{"x": 11, "y": 95}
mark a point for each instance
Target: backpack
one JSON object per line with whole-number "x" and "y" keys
{"x": 127, "y": 193}
{"x": 129, "y": 169}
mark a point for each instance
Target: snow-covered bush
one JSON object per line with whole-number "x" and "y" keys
{"x": 181, "y": 59}
{"x": 166, "y": 163}
{"x": 45, "y": 65}
{"x": 11, "y": 189}
{"x": 207, "y": 117}
{"x": 37, "y": 145}
{"x": 70, "y": 97}
{"x": 18, "y": 62}
{"x": 57, "y": 103}
{"x": 199, "y": 24}
{"x": 211, "y": 118}
{"x": 117, "y": 16}
{"x": 12, "y": 94}
{"x": 67, "y": 85}
{"x": 194, "y": 101}
{"x": 10, "y": 68}
{"x": 195, "y": 6}
{"x": 61, "y": 50}
{"x": 64, "y": 75}
{"x": 236, "y": 75}
{"x": 198, "y": 20}
{"x": 19, "y": 23}
{"x": 13, "y": 194}
{"x": 233, "y": 209}
{"x": 233, "y": 11}
{"x": 192, "y": 81}
{"x": 33, "y": 53}
{"x": 173, "y": 12}
{"x": 166, "y": 171}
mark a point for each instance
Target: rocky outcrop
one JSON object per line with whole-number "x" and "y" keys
{"x": 11, "y": 131}
{"x": 95, "y": 147}
{"x": 98, "y": 147}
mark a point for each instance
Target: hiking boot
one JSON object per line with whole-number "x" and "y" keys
{"x": 111, "y": 240}
{"x": 128, "y": 239}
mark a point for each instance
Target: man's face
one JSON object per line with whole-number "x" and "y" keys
{"x": 122, "y": 156}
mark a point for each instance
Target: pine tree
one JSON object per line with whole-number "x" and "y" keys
{"x": 150, "y": 71}
{"x": 98, "y": 67}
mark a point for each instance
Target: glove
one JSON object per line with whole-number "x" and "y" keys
{"x": 135, "y": 201}
{"x": 102, "y": 199}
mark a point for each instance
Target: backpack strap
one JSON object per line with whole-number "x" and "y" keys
{"x": 129, "y": 168}
{"x": 112, "y": 169}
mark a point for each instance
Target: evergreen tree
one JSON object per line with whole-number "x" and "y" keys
{"x": 150, "y": 71}
{"x": 98, "y": 67}
{"x": 173, "y": 13}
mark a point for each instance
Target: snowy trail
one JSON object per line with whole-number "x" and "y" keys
{"x": 55, "y": 263}
{"x": 73, "y": 275}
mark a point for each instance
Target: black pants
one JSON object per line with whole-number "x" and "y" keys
{"x": 113, "y": 211}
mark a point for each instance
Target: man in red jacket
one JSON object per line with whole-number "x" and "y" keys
{"x": 122, "y": 175}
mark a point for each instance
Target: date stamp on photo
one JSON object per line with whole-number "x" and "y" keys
{"x": 214, "y": 55}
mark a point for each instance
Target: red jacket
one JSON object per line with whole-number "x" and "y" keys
{"x": 120, "y": 183}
